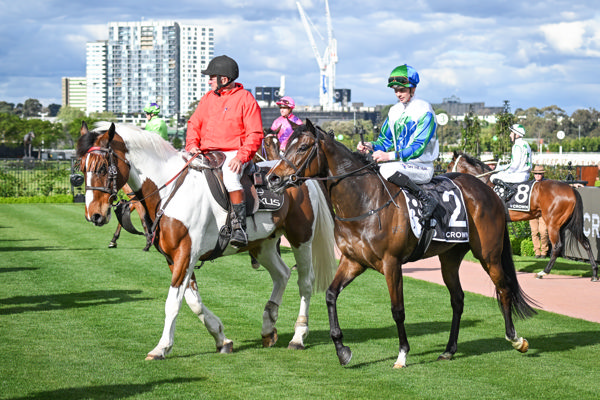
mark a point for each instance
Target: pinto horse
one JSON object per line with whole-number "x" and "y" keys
{"x": 556, "y": 202}
{"x": 189, "y": 221}
{"x": 372, "y": 230}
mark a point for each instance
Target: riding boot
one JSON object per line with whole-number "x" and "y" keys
{"x": 239, "y": 238}
{"x": 428, "y": 202}
{"x": 508, "y": 192}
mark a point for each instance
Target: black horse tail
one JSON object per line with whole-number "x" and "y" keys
{"x": 521, "y": 304}
{"x": 575, "y": 225}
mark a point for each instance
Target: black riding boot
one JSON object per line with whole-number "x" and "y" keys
{"x": 507, "y": 191}
{"x": 428, "y": 202}
{"x": 238, "y": 236}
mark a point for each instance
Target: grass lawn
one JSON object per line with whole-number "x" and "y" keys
{"x": 77, "y": 319}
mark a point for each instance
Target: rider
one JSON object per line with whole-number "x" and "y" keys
{"x": 282, "y": 124}
{"x": 227, "y": 119}
{"x": 155, "y": 123}
{"x": 408, "y": 139}
{"x": 520, "y": 163}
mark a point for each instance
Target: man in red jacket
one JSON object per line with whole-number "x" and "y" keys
{"x": 227, "y": 119}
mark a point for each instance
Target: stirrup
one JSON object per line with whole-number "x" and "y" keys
{"x": 239, "y": 238}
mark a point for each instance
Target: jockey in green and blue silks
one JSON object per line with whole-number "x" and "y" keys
{"x": 408, "y": 135}
{"x": 407, "y": 145}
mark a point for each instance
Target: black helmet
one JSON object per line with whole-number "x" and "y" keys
{"x": 223, "y": 66}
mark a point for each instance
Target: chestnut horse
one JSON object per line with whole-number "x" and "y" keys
{"x": 373, "y": 231}
{"x": 556, "y": 202}
{"x": 189, "y": 222}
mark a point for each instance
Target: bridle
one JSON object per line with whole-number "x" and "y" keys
{"x": 111, "y": 182}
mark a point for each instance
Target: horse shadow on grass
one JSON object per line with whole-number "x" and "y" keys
{"x": 118, "y": 391}
{"x": 321, "y": 337}
{"x": 51, "y": 302}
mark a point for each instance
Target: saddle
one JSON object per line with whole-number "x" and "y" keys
{"x": 257, "y": 195}
{"x": 521, "y": 200}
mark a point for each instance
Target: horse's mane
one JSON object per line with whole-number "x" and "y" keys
{"x": 473, "y": 161}
{"x": 356, "y": 155}
{"x": 137, "y": 139}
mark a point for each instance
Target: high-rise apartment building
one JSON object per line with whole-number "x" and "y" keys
{"x": 196, "y": 50}
{"x": 74, "y": 92}
{"x": 148, "y": 61}
{"x": 95, "y": 72}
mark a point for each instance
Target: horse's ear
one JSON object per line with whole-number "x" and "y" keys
{"x": 310, "y": 126}
{"x": 111, "y": 132}
{"x": 84, "y": 128}
{"x": 455, "y": 154}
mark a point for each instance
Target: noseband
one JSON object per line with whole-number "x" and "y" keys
{"x": 111, "y": 182}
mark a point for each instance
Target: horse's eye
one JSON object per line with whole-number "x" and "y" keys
{"x": 303, "y": 147}
{"x": 102, "y": 170}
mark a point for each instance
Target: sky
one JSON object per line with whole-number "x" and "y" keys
{"x": 532, "y": 53}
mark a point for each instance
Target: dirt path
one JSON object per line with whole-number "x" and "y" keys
{"x": 567, "y": 295}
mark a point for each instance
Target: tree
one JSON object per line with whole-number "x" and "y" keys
{"x": 53, "y": 109}
{"x": 504, "y": 120}
{"x": 471, "y": 133}
{"x": 7, "y": 108}
{"x": 32, "y": 108}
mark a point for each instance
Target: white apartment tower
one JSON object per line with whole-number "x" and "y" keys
{"x": 95, "y": 72}
{"x": 148, "y": 61}
{"x": 196, "y": 50}
{"x": 142, "y": 66}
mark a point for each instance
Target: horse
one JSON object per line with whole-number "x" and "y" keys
{"x": 372, "y": 230}
{"x": 556, "y": 202}
{"x": 133, "y": 204}
{"x": 187, "y": 221}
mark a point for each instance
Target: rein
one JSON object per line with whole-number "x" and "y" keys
{"x": 295, "y": 178}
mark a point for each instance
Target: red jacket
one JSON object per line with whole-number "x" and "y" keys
{"x": 231, "y": 121}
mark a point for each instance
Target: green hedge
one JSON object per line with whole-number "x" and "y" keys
{"x": 59, "y": 198}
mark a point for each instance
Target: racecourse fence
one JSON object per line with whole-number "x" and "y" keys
{"x": 32, "y": 177}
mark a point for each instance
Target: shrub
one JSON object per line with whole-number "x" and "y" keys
{"x": 527, "y": 248}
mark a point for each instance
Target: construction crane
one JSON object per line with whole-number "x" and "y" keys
{"x": 327, "y": 62}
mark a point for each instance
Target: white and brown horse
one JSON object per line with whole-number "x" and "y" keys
{"x": 189, "y": 223}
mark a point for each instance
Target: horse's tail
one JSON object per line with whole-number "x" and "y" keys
{"x": 521, "y": 304}
{"x": 323, "y": 244}
{"x": 575, "y": 225}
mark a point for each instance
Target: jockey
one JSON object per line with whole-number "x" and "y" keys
{"x": 282, "y": 124}
{"x": 155, "y": 124}
{"x": 408, "y": 140}
{"x": 520, "y": 163}
{"x": 228, "y": 119}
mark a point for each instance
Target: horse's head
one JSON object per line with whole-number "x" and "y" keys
{"x": 302, "y": 158}
{"x": 102, "y": 160}
{"x": 271, "y": 145}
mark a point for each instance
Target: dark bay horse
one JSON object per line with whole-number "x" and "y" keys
{"x": 188, "y": 221}
{"x": 372, "y": 231}
{"x": 556, "y": 202}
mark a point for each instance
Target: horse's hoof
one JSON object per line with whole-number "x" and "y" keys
{"x": 112, "y": 245}
{"x": 595, "y": 279}
{"x": 344, "y": 355}
{"x": 540, "y": 275}
{"x": 295, "y": 346}
{"x": 524, "y": 346}
{"x": 271, "y": 339}
{"x": 227, "y": 348}
{"x": 255, "y": 265}
{"x": 398, "y": 366}
{"x": 152, "y": 357}
{"x": 445, "y": 356}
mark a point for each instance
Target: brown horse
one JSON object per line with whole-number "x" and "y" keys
{"x": 190, "y": 224}
{"x": 556, "y": 202}
{"x": 372, "y": 230}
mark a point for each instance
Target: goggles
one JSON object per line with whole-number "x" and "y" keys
{"x": 402, "y": 80}
{"x": 284, "y": 103}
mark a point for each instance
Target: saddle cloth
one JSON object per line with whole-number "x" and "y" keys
{"x": 521, "y": 201}
{"x": 450, "y": 214}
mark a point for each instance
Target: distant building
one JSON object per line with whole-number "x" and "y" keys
{"x": 148, "y": 61}
{"x": 454, "y": 108}
{"x": 95, "y": 72}
{"x": 74, "y": 92}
